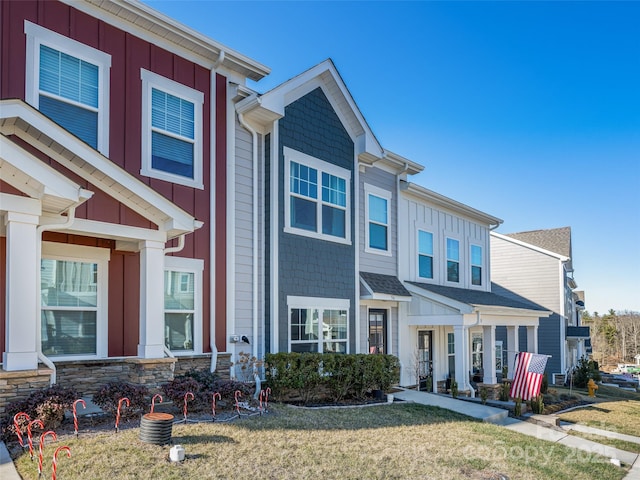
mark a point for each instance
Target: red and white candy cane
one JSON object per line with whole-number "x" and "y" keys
{"x": 124, "y": 399}
{"x": 75, "y": 417}
{"x": 237, "y": 395}
{"x": 16, "y": 424}
{"x": 260, "y": 397}
{"x": 267, "y": 392}
{"x": 41, "y": 449}
{"x": 186, "y": 399}
{"x": 29, "y": 435}
{"x": 54, "y": 462}
{"x": 213, "y": 403}
{"x": 153, "y": 400}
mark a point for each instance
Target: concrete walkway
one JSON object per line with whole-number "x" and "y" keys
{"x": 543, "y": 427}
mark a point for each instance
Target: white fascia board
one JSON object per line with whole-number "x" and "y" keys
{"x": 506, "y": 238}
{"x": 50, "y": 182}
{"x": 450, "y": 204}
{"x": 18, "y": 204}
{"x": 292, "y": 89}
{"x": 463, "y": 308}
{"x": 72, "y": 148}
{"x": 148, "y": 24}
{"x": 513, "y": 311}
{"x": 110, "y": 231}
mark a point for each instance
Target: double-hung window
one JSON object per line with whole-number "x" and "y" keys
{"x": 318, "y": 325}
{"x": 183, "y": 305}
{"x": 425, "y": 254}
{"x": 476, "y": 352}
{"x": 73, "y": 292}
{"x": 317, "y": 202}
{"x": 453, "y": 260}
{"x": 69, "y": 83}
{"x": 172, "y": 131}
{"x": 476, "y": 265}
{"x": 378, "y": 232}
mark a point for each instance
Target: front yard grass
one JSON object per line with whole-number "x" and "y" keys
{"x": 397, "y": 441}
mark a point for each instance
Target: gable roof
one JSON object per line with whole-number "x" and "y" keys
{"x": 25, "y": 122}
{"x": 263, "y": 109}
{"x": 479, "y": 298}
{"x": 556, "y": 240}
{"x": 384, "y": 287}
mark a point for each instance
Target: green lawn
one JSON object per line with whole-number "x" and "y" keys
{"x": 399, "y": 441}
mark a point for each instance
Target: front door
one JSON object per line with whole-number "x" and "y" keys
{"x": 425, "y": 360}
{"x": 377, "y": 331}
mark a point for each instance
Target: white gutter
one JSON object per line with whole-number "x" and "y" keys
{"x": 254, "y": 299}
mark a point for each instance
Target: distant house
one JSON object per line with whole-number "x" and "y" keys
{"x": 538, "y": 265}
{"x": 113, "y": 245}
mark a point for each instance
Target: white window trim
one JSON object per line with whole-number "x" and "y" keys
{"x": 320, "y": 304}
{"x": 81, "y": 253}
{"x": 482, "y": 268}
{"x": 195, "y": 266}
{"x": 433, "y": 255}
{"x": 153, "y": 80}
{"x": 36, "y": 36}
{"x": 291, "y": 155}
{"x": 388, "y": 196}
{"x": 461, "y": 272}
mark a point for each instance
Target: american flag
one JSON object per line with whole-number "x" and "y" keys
{"x": 528, "y": 377}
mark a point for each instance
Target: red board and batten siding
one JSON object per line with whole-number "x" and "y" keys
{"x": 130, "y": 54}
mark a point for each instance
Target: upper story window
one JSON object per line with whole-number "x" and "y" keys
{"x": 69, "y": 83}
{"x": 453, "y": 260}
{"x": 172, "y": 131}
{"x": 425, "y": 254}
{"x": 476, "y": 265}
{"x": 378, "y": 231}
{"x": 317, "y": 202}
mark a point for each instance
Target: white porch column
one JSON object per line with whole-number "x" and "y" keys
{"x": 151, "y": 300}
{"x": 489, "y": 354}
{"x": 532, "y": 339}
{"x": 512, "y": 349}
{"x": 22, "y": 295}
{"x": 462, "y": 352}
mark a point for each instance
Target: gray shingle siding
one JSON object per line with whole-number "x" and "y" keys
{"x": 311, "y": 267}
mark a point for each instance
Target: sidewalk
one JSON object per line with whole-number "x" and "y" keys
{"x": 543, "y": 427}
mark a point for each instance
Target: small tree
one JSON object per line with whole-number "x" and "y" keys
{"x": 584, "y": 371}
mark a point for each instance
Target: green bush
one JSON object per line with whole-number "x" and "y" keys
{"x": 517, "y": 410}
{"x": 109, "y": 395}
{"x": 537, "y": 404}
{"x": 504, "y": 391}
{"x": 454, "y": 388}
{"x": 584, "y": 371}
{"x": 47, "y": 405}
{"x": 315, "y": 376}
{"x": 484, "y": 394}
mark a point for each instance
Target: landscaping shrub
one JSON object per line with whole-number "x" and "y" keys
{"x": 110, "y": 394}
{"x": 504, "y": 391}
{"x": 484, "y": 394}
{"x": 584, "y": 371}
{"x": 203, "y": 385}
{"x": 544, "y": 387}
{"x": 47, "y": 405}
{"x": 318, "y": 376}
{"x": 537, "y": 404}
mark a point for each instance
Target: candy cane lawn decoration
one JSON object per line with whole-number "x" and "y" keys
{"x": 237, "y": 395}
{"x": 54, "y": 463}
{"x": 267, "y": 392}
{"x": 124, "y": 399}
{"x": 213, "y": 403}
{"x": 153, "y": 401}
{"x": 29, "y": 436}
{"x": 41, "y": 449}
{"x": 16, "y": 424}
{"x": 184, "y": 409}
{"x": 75, "y": 417}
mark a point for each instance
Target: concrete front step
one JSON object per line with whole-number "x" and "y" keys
{"x": 476, "y": 410}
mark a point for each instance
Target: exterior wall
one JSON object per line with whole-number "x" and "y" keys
{"x": 537, "y": 278}
{"x": 130, "y": 54}
{"x": 310, "y": 267}
{"x": 417, "y": 215}
{"x": 372, "y": 262}
{"x": 15, "y": 386}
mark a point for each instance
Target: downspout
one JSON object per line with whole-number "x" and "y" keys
{"x": 168, "y": 250}
{"x": 254, "y": 153}
{"x": 71, "y": 216}
{"x": 212, "y": 224}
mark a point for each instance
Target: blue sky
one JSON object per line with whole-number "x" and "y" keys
{"x": 528, "y": 111}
